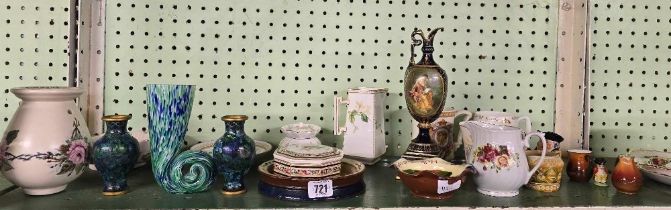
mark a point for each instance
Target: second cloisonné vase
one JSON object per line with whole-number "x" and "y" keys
{"x": 115, "y": 154}
{"x": 169, "y": 109}
{"x": 425, "y": 90}
{"x": 234, "y": 154}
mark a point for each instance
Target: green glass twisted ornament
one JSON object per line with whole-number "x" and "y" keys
{"x": 169, "y": 109}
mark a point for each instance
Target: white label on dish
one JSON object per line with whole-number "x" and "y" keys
{"x": 444, "y": 187}
{"x": 320, "y": 189}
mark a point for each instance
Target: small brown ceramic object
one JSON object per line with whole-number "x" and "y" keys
{"x": 424, "y": 184}
{"x": 422, "y": 177}
{"x": 579, "y": 167}
{"x": 626, "y": 176}
{"x": 351, "y": 172}
{"x": 600, "y": 173}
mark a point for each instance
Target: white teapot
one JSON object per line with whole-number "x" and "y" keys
{"x": 497, "y": 154}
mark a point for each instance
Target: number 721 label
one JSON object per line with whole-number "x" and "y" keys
{"x": 320, "y": 189}
{"x": 444, "y": 187}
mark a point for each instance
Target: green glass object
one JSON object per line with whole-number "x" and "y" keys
{"x": 169, "y": 109}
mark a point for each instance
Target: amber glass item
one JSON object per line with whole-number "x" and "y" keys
{"x": 626, "y": 176}
{"x": 579, "y": 165}
{"x": 425, "y": 90}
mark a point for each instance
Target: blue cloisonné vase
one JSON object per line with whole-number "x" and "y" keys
{"x": 169, "y": 109}
{"x": 234, "y": 154}
{"x": 115, "y": 154}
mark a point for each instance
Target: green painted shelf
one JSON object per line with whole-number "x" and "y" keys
{"x": 381, "y": 191}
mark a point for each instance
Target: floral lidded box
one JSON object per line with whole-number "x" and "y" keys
{"x": 298, "y": 160}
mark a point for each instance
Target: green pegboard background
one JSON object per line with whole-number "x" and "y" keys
{"x": 499, "y": 56}
{"x": 282, "y": 62}
{"x": 33, "y": 48}
{"x": 630, "y": 75}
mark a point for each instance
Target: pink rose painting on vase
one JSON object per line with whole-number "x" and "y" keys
{"x": 69, "y": 157}
{"x": 495, "y": 158}
{"x": 77, "y": 151}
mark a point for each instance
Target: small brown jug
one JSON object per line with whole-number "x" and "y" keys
{"x": 579, "y": 168}
{"x": 626, "y": 176}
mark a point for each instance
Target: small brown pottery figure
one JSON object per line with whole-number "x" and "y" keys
{"x": 579, "y": 167}
{"x": 626, "y": 176}
{"x": 600, "y": 172}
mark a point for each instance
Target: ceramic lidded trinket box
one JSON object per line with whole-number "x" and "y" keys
{"x": 300, "y": 133}
{"x": 298, "y": 160}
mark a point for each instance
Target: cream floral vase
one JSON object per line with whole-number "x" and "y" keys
{"x": 45, "y": 145}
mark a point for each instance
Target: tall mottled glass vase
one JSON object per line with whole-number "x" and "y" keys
{"x": 169, "y": 109}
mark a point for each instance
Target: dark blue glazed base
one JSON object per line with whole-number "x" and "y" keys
{"x": 233, "y": 183}
{"x": 302, "y": 194}
{"x": 115, "y": 187}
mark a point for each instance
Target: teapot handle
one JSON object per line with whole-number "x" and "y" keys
{"x": 467, "y": 141}
{"x": 527, "y": 121}
{"x": 468, "y": 114}
{"x": 456, "y": 128}
{"x": 538, "y": 165}
{"x": 337, "y": 100}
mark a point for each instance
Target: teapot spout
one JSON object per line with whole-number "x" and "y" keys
{"x": 470, "y": 169}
